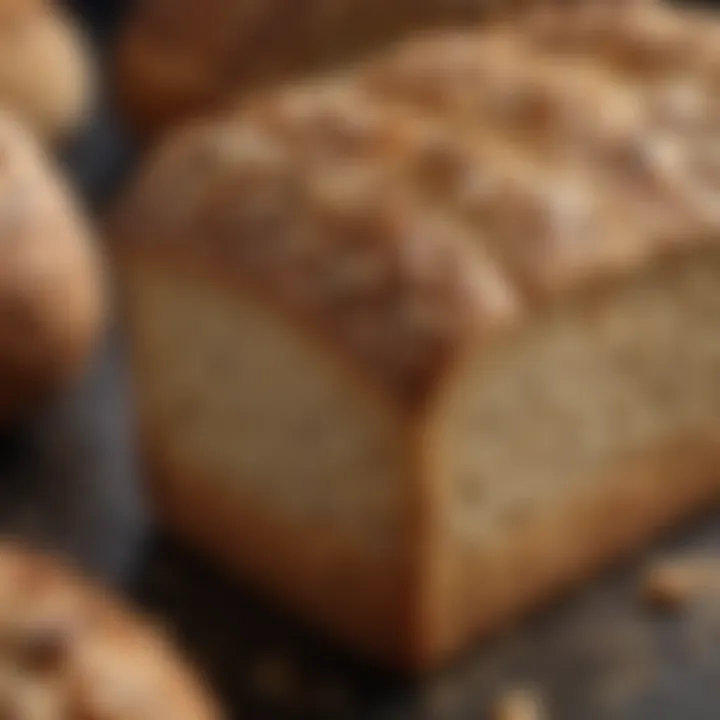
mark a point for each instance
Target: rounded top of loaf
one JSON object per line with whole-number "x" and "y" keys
{"x": 52, "y": 301}
{"x": 69, "y": 652}
{"x": 177, "y": 58}
{"x": 11, "y": 10}
{"x": 427, "y": 198}
{"x": 46, "y": 73}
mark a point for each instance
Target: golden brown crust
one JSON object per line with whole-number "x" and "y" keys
{"x": 391, "y": 284}
{"x": 16, "y": 12}
{"x": 74, "y": 653}
{"x": 637, "y": 42}
{"x": 52, "y": 300}
{"x": 416, "y": 203}
{"x": 178, "y": 59}
{"x": 46, "y": 76}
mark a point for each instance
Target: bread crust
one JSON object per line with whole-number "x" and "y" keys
{"x": 412, "y": 286}
{"x": 74, "y": 651}
{"x": 52, "y": 294}
{"x": 178, "y": 60}
{"x": 46, "y": 76}
{"x": 183, "y": 59}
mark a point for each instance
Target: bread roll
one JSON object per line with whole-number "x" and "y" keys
{"x": 46, "y": 76}
{"x": 180, "y": 57}
{"x": 69, "y": 652}
{"x": 51, "y": 280}
{"x": 419, "y": 345}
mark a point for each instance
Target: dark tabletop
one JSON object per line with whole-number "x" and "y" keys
{"x": 69, "y": 479}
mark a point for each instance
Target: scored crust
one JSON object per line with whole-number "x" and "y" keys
{"x": 425, "y": 182}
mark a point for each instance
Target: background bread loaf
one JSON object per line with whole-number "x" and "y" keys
{"x": 51, "y": 285}
{"x": 46, "y": 76}
{"x": 420, "y": 344}
{"x": 68, "y": 652}
{"x": 182, "y": 57}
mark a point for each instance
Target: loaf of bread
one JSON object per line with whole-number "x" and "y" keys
{"x": 179, "y": 57}
{"x": 52, "y": 302}
{"x": 69, "y": 652}
{"x": 418, "y": 345}
{"x": 46, "y": 76}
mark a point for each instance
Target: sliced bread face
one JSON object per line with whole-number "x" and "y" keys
{"x": 271, "y": 452}
{"x": 575, "y": 439}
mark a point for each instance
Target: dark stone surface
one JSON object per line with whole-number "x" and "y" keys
{"x": 69, "y": 479}
{"x": 598, "y": 655}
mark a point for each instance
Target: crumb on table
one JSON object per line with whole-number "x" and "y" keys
{"x": 673, "y": 583}
{"x": 519, "y": 704}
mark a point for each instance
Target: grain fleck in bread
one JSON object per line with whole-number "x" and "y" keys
{"x": 418, "y": 345}
{"x": 68, "y": 652}
{"x": 46, "y": 75}
{"x": 180, "y": 57}
{"x": 52, "y": 302}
